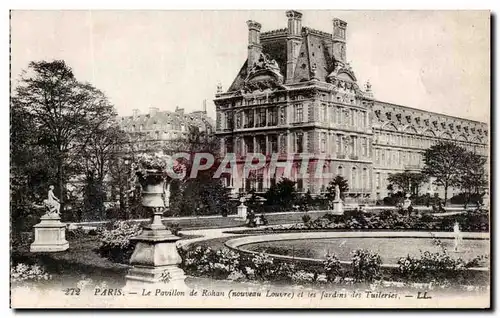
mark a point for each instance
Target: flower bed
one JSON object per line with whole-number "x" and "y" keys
{"x": 477, "y": 221}
{"x": 364, "y": 267}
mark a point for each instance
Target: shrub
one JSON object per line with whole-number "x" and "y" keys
{"x": 438, "y": 267}
{"x": 365, "y": 265}
{"x": 75, "y": 233}
{"x": 332, "y": 267}
{"x": 263, "y": 219}
{"x": 301, "y": 277}
{"x": 22, "y": 273}
{"x": 205, "y": 261}
{"x": 306, "y": 218}
{"x": 175, "y": 228}
{"x": 115, "y": 243}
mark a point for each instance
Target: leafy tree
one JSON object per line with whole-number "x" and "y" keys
{"x": 443, "y": 161}
{"x": 203, "y": 194}
{"x": 63, "y": 112}
{"x": 472, "y": 176}
{"x": 407, "y": 181}
{"x": 97, "y": 158}
{"x": 283, "y": 194}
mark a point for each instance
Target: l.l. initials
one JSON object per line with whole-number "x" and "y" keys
{"x": 423, "y": 295}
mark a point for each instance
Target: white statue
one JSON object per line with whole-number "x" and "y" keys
{"x": 52, "y": 202}
{"x": 458, "y": 236}
{"x": 337, "y": 192}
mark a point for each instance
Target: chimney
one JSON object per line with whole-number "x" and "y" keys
{"x": 135, "y": 113}
{"x": 254, "y": 46}
{"x": 293, "y": 42}
{"x": 339, "y": 39}
{"x": 153, "y": 111}
{"x": 205, "y": 106}
{"x": 179, "y": 110}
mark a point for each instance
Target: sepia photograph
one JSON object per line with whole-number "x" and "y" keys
{"x": 250, "y": 159}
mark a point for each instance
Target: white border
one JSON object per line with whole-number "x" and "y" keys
{"x": 194, "y": 5}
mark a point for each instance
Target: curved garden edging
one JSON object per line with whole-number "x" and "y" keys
{"x": 236, "y": 243}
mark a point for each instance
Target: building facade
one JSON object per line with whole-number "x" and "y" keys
{"x": 297, "y": 96}
{"x": 154, "y": 130}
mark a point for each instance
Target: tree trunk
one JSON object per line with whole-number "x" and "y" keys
{"x": 445, "y": 193}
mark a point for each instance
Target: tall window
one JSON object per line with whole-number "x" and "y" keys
{"x": 298, "y": 113}
{"x": 363, "y": 147}
{"x": 338, "y": 146}
{"x": 299, "y": 142}
{"x": 261, "y": 115}
{"x": 273, "y": 144}
{"x": 354, "y": 177}
{"x": 366, "y": 178}
{"x": 283, "y": 115}
{"x": 273, "y": 117}
{"x": 261, "y": 144}
{"x": 324, "y": 113}
{"x": 248, "y": 119}
{"x": 323, "y": 143}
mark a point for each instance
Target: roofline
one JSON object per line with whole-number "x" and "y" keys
{"x": 430, "y": 112}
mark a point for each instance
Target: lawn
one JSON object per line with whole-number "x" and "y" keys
{"x": 231, "y": 221}
{"x": 79, "y": 261}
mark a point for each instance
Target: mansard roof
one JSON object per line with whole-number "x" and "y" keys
{"x": 160, "y": 119}
{"x": 316, "y": 53}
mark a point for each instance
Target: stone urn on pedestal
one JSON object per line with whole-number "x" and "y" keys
{"x": 242, "y": 209}
{"x": 155, "y": 259}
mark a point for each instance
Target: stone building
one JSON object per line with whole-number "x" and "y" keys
{"x": 157, "y": 128}
{"x": 297, "y": 95}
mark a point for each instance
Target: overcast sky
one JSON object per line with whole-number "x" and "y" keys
{"x": 431, "y": 60}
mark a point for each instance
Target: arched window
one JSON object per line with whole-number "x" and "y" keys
{"x": 366, "y": 179}
{"x": 354, "y": 177}
{"x": 340, "y": 171}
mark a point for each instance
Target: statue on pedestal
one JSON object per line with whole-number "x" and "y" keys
{"x": 337, "y": 193}
{"x": 50, "y": 233}
{"x": 52, "y": 203}
{"x": 338, "y": 205}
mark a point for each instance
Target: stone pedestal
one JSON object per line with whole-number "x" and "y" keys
{"x": 155, "y": 260}
{"x": 338, "y": 207}
{"x": 50, "y": 235}
{"x": 242, "y": 211}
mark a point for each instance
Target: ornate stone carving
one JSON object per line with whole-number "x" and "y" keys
{"x": 265, "y": 63}
{"x": 398, "y": 117}
{"x": 426, "y": 122}
{"x": 408, "y": 118}
{"x": 417, "y": 120}
{"x": 388, "y": 115}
